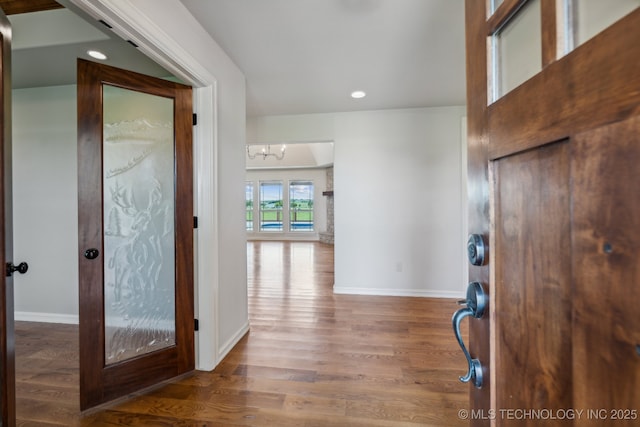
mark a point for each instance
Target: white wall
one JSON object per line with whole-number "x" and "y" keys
{"x": 319, "y": 178}
{"x": 45, "y": 220}
{"x": 300, "y": 127}
{"x": 402, "y": 171}
{"x": 399, "y": 191}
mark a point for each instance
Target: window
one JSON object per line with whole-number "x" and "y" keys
{"x": 271, "y": 206}
{"x": 516, "y": 50}
{"x": 301, "y": 206}
{"x": 282, "y": 207}
{"x": 249, "y": 205}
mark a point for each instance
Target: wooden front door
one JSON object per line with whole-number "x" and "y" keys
{"x": 135, "y": 231}
{"x": 7, "y": 347}
{"x": 554, "y": 194}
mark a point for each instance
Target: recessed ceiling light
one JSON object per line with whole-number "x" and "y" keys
{"x": 358, "y": 94}
{"x": 97, "y": 54}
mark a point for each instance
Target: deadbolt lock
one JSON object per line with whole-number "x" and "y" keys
{"x": 476, "y": 249}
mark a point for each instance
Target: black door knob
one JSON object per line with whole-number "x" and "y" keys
{"x": 91, "y": 253}
{"x": 20, "y": 268}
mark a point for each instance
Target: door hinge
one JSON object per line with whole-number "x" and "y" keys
{"x": 195, "y": 222}
{"x": 196, "y": 325}
{"x": 195, "y": 119}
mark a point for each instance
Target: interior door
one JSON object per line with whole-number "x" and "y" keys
{"x": 7, "y": 348}
{"x": 554, "y": 143}
{"x": 135, "y": 231}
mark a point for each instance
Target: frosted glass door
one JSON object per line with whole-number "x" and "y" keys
{"x": 139, "y": 242}
{"x": 135, "y": 231}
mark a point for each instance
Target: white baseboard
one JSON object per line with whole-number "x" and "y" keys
{"x": 228, "y": 346}
{"x": 426, "y": 293}
{"x": 27, "y": 316}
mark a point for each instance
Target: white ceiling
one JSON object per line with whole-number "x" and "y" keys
{"x": 45, "y": 45}
{"x": 307, "y": 56}
{"x": 298, "y": 56}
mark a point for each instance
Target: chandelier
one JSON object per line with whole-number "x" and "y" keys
{"x": 266, "y": 152}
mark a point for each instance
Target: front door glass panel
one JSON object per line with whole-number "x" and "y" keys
{"x": 517, "y": 50}
{"x": 139, "y": 240}
{"x": 592, "y": 16}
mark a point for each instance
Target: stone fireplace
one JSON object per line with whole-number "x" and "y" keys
{"x": 327, "y": 236}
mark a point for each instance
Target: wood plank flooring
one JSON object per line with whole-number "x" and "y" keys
{"x": 311, "y": 359}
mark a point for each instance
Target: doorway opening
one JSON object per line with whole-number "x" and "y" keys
{"x": 289, "y": 206}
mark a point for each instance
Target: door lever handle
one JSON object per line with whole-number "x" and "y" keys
{"x": 476, "y": 303}
{"x": 20, "y": 268}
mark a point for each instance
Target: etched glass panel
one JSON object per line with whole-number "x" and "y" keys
{"x": 517, "y": 49}
{"x": 138, "y": 192}
{"x": 593, "y": 16}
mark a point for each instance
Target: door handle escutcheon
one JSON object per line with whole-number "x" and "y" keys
{"x": 476, "y": 303}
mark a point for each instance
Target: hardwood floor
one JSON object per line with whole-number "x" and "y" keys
{"x": 311, "y": 359}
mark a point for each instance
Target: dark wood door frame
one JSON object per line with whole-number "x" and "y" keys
{"x": 478, "y": 184}
{"x": 7, "y": 346}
